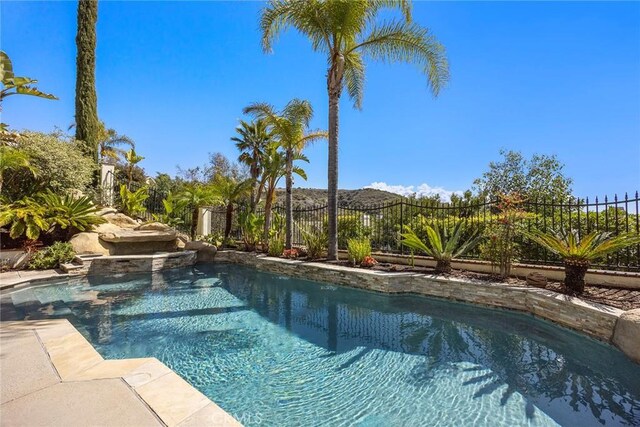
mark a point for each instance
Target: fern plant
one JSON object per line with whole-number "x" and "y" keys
{"x": 132, "y": 202}
{"x": 358, "y": 249}
{"x": 441, "y": 244}
{"x": 578, "y": 253}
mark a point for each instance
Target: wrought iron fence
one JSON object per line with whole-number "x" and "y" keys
{"x": 382, "y": 223}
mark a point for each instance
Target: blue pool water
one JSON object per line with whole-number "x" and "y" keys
{"x": 278, "y": 351}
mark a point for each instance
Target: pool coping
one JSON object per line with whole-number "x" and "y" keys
{"x": 167, "y": 395}
{"x": 611, "y": 325}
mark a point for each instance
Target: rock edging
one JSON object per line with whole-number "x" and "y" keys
{"x": 596, "y": 320}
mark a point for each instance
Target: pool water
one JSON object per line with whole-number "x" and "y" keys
{"x": 278, "y": 351}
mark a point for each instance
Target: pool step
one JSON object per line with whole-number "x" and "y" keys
{"x": 80, "y": 264}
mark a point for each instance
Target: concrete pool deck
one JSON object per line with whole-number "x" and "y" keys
{"x": 51, "y": 375}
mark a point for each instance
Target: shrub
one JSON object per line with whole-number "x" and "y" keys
{"x": 132, "y": 202}
{"x": 59, "y": 217}
{"x": 290, "y": 253}
{"x": 276, "y": 246}
{"x": 441, "y": 244}
{"x": 368, "y": 262}
{"x": 501, "y": 248}
{"x": 251, "y": 228}
{"x": 52, "y": 256}
{"x": 358, "y": 249}
{"x": 213, "y": 238}
{"x": 69, "y": 215}
{"x": 59, "y": 162}
{"x": 174, "y": 208}
{"x": 350, "y": 226}
{"x": 315, "y": 240}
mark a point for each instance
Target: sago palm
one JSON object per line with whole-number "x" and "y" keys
{"x": 290, "y": 128}
{"x": 578, "y": 253}
{"x": 441, "y": 244}
{"x": 252, "y": 141}
{"x": 230, "y": 191}
{"x": 348, "y": 32}
{"x": 274, "y": 168}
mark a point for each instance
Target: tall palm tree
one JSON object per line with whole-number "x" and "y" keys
{"x": 252, "y": 140}
{"x": 347, "y": 32}
{"x": 290, "y": 128}
{"x": 109, "y": 143}
{"x": 274, "y": 168}
{"x": 230, "y": 191}
{"x": 86, "y": 97}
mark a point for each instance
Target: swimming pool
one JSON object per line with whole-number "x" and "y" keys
{"x": 273, "y": 350}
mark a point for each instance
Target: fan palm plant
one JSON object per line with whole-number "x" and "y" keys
{"x": 348, "y": 32}
{"x": 252, "y": 141}
{"x": 441, "y": 244}
{"x": 290, "y": 128}
{"x": 230, "y": 191}
{"x": 578, "y": 253}
{"x": 196, "y": 195}
{"x": 109, "y": 143}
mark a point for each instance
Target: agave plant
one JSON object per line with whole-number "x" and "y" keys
{"x": 578, "y": 253}
{"x": 441, "y": 244}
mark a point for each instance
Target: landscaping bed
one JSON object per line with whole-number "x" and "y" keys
{"x": 624, "y": 299}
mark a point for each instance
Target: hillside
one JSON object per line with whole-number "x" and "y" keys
{"x": 318, "y": 197}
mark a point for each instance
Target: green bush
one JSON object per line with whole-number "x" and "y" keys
{"x": 276, "y": 246}
{"x": 59, "y": 162}
{"x": 315, "y": 240}
{"x": 358, "y": 249}
{"x": 52, "y": 256}
{"x": 350, "y": 226}
{"x": 132, "y": 202}
{"x": 59, "y": 217}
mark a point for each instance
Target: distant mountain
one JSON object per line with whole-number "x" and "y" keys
{"x": 308, "y": 197}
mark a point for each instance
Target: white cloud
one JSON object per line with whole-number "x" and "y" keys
{"x": 419, "y": 191}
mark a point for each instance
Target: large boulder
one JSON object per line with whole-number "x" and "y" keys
{"x": 206, "y": 251}
{"x": 121, "y": 220}
{"x": 106, "y": 211}
{"x": 154, "y": 226}
{"x": 90, "y": 243}
{"x": 627, "y": 334}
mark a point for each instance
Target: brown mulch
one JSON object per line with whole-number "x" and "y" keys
{"x": 624, "y": 299}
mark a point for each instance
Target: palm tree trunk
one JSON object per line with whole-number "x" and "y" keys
{"x": 228, "y": 220}
{"x": 574, "y": 272}
{"x": 194, "y": 222}
{"x": 334, "y": 87}
{"x": 287, "y": 201}
{"x": 443, "y": 266}
{"x": 267, "y": 214}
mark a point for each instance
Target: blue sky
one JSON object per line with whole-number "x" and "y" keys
{"x": 546, "y": 77}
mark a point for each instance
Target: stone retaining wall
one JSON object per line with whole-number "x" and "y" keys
{"x": 122, "y": 264}
{"x": 597, "y": 320}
